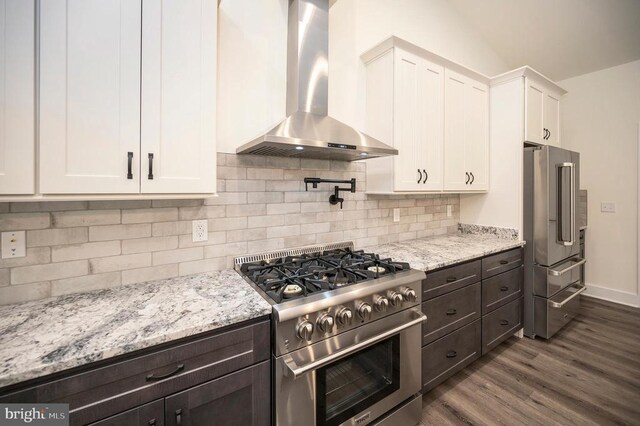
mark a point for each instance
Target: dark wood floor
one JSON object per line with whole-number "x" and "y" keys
{"x": 588, "y": 374}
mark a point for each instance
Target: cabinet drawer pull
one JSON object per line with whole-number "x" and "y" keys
{"x": 150, "y": 176}
{"x": 420, "y": 176}
{"x": 504, "y": 262}
{"x": 504, "y": 322}
{"x": 179, "y": 417}
{"x": 452, "y": 279}
{"x": 468, "y": 177}
{"x": 472, "y": 178}
{"x": 129, "y": 161}
{"x": 451, "y": 312}
{"x": 426, "y": 176}
{"x": 452, "y": 354}
{"x": 178, "y": 369}
{"x": 504, "y": 288}
{"x": 152, "y": 422}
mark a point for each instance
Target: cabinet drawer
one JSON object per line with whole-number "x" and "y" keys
{"x": 450, "y": 354}
{"x": 151, "y": 414}
{"x": 241, "y": 398}
{"x": 502, "y": 289}
{"x": 501, "y": 262}
{"x": 450, "y": 312}
{"x": 449, "y": 279}
{"x": 123, "y": 385}
{"x": 500, "y": 324}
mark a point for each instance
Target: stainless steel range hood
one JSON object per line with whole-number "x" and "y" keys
{"x": 308, "y": 131}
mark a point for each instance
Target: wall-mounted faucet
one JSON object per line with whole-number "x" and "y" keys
{"x": 335, "y": 197}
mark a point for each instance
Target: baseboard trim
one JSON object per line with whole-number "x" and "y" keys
{"x": 612, "y": 295}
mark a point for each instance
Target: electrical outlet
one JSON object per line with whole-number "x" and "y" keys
{"x": 396, "y": 215}
{"x": 449, "y": 210}
{"x": 608, "y": 207}
{"x": 13, "y": 244}
{"x": 200, "y": 230}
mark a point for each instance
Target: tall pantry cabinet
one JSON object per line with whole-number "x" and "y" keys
{"x": 126, "y": 99}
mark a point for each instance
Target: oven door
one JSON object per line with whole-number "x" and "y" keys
{"x": 352, "y": 378}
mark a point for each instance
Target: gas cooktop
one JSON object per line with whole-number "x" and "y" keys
{"x": 299, "y": 275}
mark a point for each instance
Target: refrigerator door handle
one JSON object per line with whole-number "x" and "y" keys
{"x": 576, "y": 294}
{"x": 579, "y": 262}
{"x": 572, "y": 204}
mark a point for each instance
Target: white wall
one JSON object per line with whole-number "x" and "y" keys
{"x": 600, "y": 117}
{"x": 252, "y": 56}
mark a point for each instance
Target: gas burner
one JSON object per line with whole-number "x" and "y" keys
{"x": 295, "y": 276}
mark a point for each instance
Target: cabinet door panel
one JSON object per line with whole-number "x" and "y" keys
{"x": 17, "y": 136}
{"x": 477, "y": 135}
{"x": 89, "y": 95}
{"x": 241, "y": 398}
{"x": 552, "y": 118}
{"x": 151, "y": 414}
{"x": 178, "y": 96}
{"x": 406, "y": 140}
{"x": 534, "y": 99}
{"x": 455, "y": 174}
{"x": 431, "y": 124}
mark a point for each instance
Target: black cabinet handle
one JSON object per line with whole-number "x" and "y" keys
{"x": 150, "y": 176}
{"x": 468, "y": 177}
{"x": 452, "y": 354}
{"x": 129, "y": 161}
{"x": 451, "y": 312}
{"x": 548, "y": 134}
{"x": 504, "y": 262}
{"x": 178, "y": 369}
{"x": 472, "y": 179}
{"x": 452, "y": 279}
{"x": 179, "y": 417}
{"x": 420, "y": 177}
{"x": 504, "y": 288}
{"x": 504, "y": 322}
{"x": 426, "y": 176}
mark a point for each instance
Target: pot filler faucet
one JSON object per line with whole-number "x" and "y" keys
{"x": 335, "y": 197}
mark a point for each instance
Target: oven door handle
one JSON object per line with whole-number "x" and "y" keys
{"x": 298, "y": 371}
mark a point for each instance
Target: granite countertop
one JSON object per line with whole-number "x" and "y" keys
{"x": 436, "y": 252}
{"x": 43, "y": 337}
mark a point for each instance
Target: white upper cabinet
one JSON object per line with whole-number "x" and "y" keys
{"x": 418, "y": 105}
{"x": 17, "y": 105}
{"x": 542, "y": 112}
{"x": 89, "y": 96}
{"x": 418, "y": 123}
{"x": 178, "y": 96}
{"x": 466, "y": 140}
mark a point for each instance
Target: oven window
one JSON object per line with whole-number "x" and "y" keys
{"x": 353, "y": 384}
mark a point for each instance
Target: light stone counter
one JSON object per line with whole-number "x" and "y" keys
{"x": 55, "y": 334}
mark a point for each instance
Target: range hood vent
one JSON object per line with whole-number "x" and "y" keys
{"x": 308, "y": 131}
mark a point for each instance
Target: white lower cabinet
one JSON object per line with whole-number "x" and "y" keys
{"x": 435, "y": 117}
{"x": 17, "y": 105}
{"x": 126, "y": 101}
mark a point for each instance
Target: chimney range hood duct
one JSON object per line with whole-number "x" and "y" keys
{"x": 308, "y": 131}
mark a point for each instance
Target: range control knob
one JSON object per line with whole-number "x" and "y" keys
{"x": 381, "y": 303}
{"x": 365, "y": 311}
{"x": 344, "y": 316}
{"x": 325, "y": 322}
{"x": 305, "y": 330}
{"x": 395, "y": 298}
{"x": 409, "y": 294}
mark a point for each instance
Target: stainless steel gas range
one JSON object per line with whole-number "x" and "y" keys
{"x": 346, "y": 331}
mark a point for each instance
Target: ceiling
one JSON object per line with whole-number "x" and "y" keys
{"x": 559, "y": 38}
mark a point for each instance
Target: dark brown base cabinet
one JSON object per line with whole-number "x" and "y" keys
{"x": 471, "y": 308}
{"x": 217, "y": 378}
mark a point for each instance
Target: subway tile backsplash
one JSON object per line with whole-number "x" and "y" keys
{"x": 261, "y": 205}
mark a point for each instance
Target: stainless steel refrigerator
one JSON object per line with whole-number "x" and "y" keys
{"x": 553, "y": 266}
